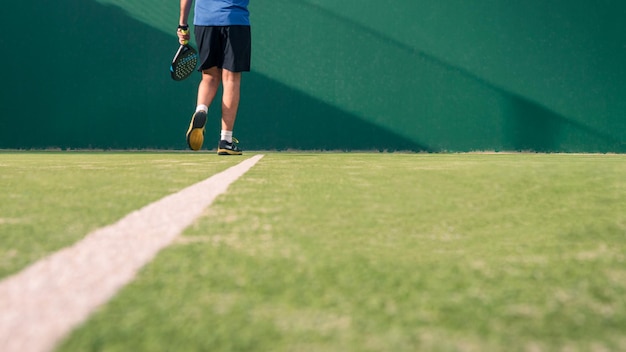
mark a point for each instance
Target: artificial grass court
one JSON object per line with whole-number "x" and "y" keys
{"x": 345, "y": 251}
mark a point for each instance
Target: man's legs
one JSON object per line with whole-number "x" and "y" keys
{"x": 211, "y": 79}
{"x": 231, "y": 82}
{"x": 228, "y": 47}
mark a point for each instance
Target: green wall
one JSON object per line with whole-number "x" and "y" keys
{"x": 434, "y": 75}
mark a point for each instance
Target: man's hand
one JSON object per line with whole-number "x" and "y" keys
{"x": 183, "y": 34}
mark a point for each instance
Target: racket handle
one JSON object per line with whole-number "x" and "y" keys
{"x": 184, "y": 32}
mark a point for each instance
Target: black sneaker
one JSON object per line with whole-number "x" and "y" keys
{"x": 195, "y": 133}
{"x": 225, "y": 148}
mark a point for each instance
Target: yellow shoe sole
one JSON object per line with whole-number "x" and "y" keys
{"x": 195, "y": 133}
{"x": 195, "y": 138}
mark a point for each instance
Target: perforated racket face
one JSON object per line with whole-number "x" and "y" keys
{"x": 184, "y": 63}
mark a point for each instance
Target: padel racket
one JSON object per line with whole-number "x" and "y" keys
{"x": 184, "y": 62}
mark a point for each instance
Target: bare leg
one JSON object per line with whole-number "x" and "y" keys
{"x": 230, "y": 99}
{"x": 211, "y": 79}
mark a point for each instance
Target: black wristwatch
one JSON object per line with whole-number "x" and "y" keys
{"x": 183, "y": 27}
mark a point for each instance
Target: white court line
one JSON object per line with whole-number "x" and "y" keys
{"x": 44, "y": 302}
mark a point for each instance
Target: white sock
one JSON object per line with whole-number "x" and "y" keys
{"x": 227, "y": 136}
{"x": 202, "y": 107}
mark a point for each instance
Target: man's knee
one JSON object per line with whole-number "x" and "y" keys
{"x": 231, "y": 77}
{"x": 213, "y": 73}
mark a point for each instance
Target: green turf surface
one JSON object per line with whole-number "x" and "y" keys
{"x": 357, "y": 252}
{"x": 50, "y": 200}
{"x": 384, "y": 252}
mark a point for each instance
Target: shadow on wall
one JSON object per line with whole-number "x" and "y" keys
{"x": 99, "y": 79}
{"x": 95, "y": 76}
{"x": 532, "y": 127}
{"x": 282, "y": 118}
{"x": 450, "y": 107}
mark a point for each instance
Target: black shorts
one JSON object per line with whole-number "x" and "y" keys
{"x": 227, "y": 47}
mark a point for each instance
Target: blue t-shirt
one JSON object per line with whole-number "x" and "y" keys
{"x": 221, "y": 13}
